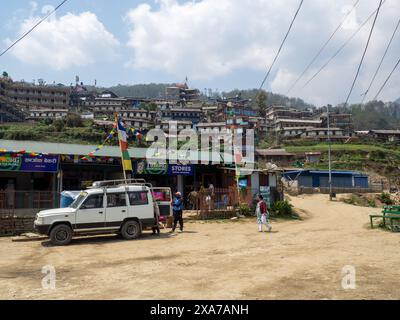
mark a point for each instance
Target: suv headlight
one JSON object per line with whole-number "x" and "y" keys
{"x": 39, "y": 220}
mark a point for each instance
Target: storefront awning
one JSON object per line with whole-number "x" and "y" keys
{"x": 83, "y": 150}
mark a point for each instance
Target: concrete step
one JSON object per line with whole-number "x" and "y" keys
{"x": 26, "y": 237}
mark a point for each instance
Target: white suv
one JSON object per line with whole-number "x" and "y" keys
{"x": 125, "y": 209}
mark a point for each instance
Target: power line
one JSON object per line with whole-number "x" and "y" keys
{"x": 380, "y": 64}
{"x": 280, "y": 48}
{"x": 33, "y": 28}
{"x": 365, "y": 51}
{"x": 341, "y": 48}
{"x": 387, "y": 80}
{"x": 322, "y": 48}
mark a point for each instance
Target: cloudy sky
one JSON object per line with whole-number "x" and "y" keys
{"x": 224, "y": 44}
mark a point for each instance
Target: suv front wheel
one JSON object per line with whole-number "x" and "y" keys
{"x": 61, "y": 235}
{"x": 131, "y": 230}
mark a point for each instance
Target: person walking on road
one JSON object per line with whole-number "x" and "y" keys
{"x": 262, "y": 214}
{"x": 178, "y": 211}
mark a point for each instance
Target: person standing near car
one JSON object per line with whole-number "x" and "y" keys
{"x": 178, "y": 211}
{"x": 156, "y": 227}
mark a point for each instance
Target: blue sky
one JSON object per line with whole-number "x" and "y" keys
{"x": 224, "y": 44}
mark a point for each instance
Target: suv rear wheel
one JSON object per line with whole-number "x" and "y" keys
{"x": 131, "y": 230}
{"x": 61, "y": 235}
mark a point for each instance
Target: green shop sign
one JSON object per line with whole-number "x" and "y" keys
{"x": 144, "y": 167}
{"x": 8, "y": 163}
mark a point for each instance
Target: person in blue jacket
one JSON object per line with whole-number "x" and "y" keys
{"x": 177, "y": 209}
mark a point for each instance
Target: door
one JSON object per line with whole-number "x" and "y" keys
{"x": 116, "y": 210}
{"x": 91, "y": 214}
{"x": 317, "y": 181}
{"x": 163, "y": 197}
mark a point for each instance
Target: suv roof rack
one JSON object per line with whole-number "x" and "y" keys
{"x": 122, "y": 182}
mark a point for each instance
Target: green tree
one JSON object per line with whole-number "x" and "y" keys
{"x": 150, "y": 106}
{"x": 261, "y": 103}
{"x": 5, "y": 74}
{"x": 58, "y": 125}
{"x": 74, "y": 121}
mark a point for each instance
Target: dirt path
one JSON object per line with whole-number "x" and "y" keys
{"x": 228, "y": 260}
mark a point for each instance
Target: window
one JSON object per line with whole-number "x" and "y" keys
{"x": 78, "y": 200}
{"x": 138, "y": 198}
{"x": 116, "y": 200}
{"x": 93, "y": 202}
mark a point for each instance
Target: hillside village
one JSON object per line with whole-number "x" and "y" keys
{"x": 285, "y": 135}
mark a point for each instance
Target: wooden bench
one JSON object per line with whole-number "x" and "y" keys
{"x": 389, "y": 212}
{"x": 384, "y": 217}
{"x": 392, "y": 208}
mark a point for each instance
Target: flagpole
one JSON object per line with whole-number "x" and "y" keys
{"x": 237, "y": 172}
{"x": 237, "y": 183}
{"x": 120, "y": 146}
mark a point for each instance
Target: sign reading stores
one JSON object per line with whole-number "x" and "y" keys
{"x": 27, "y": 163}
{"x": 182, "y": 170}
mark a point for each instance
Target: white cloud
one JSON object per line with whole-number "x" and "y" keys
{"x": 213, "y": 39}
{"x": 66, "y": 41}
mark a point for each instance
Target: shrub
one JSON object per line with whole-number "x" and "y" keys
{"x": 385, "y": 198}
{"x": 244, "y": 209}
{"x": 47, "y": 122}
{"x": 283, "y": 208}
{"x": 350, "y": 200}
{"x": 372, "y": 203}
{"x": 360, "y": 200}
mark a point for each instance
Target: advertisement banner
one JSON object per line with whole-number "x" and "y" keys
{"x": 8, "y": 163}
{"x": 266, "y": 193}
{"x": 27, "y": 163}
{"x": 143, "y": 167}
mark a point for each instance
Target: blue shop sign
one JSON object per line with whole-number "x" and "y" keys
{"x": 181, "y": 170}
{"x": 28, "y": 163}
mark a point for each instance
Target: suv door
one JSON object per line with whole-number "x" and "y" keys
{"x": 163, "y": 197}
{"x": 91, "y": 213}
{"x": 116, "y": 210}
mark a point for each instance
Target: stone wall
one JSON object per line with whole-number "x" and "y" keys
{"x": 12, "y": 226}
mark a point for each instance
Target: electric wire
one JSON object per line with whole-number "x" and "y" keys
{"x": 33, "y": 28}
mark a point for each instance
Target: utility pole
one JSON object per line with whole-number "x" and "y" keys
{"x": 329, "y": 156}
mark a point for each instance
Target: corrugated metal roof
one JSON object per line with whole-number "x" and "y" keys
{"x": 334, "y": 172}
{"x": 82, "y": 150}
{"x": 273, "y": 152}
{"x": 63, "y": 148}
{"x": 211, "y": 124}
{"x": 386, "y": 131}
{"x": 298, "y": 121}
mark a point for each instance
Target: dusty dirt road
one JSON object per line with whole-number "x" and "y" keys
{"x": 229, "y": 260}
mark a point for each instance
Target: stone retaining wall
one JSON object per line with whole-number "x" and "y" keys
{"x": 12, "y": 226}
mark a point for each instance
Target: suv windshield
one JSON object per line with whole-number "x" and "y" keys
{"x": 78, "y": 201}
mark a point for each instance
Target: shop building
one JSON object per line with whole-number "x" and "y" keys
{"x": 33, "y": 174}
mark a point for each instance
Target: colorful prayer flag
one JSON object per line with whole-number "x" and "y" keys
{"x": 123, "y": 143}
